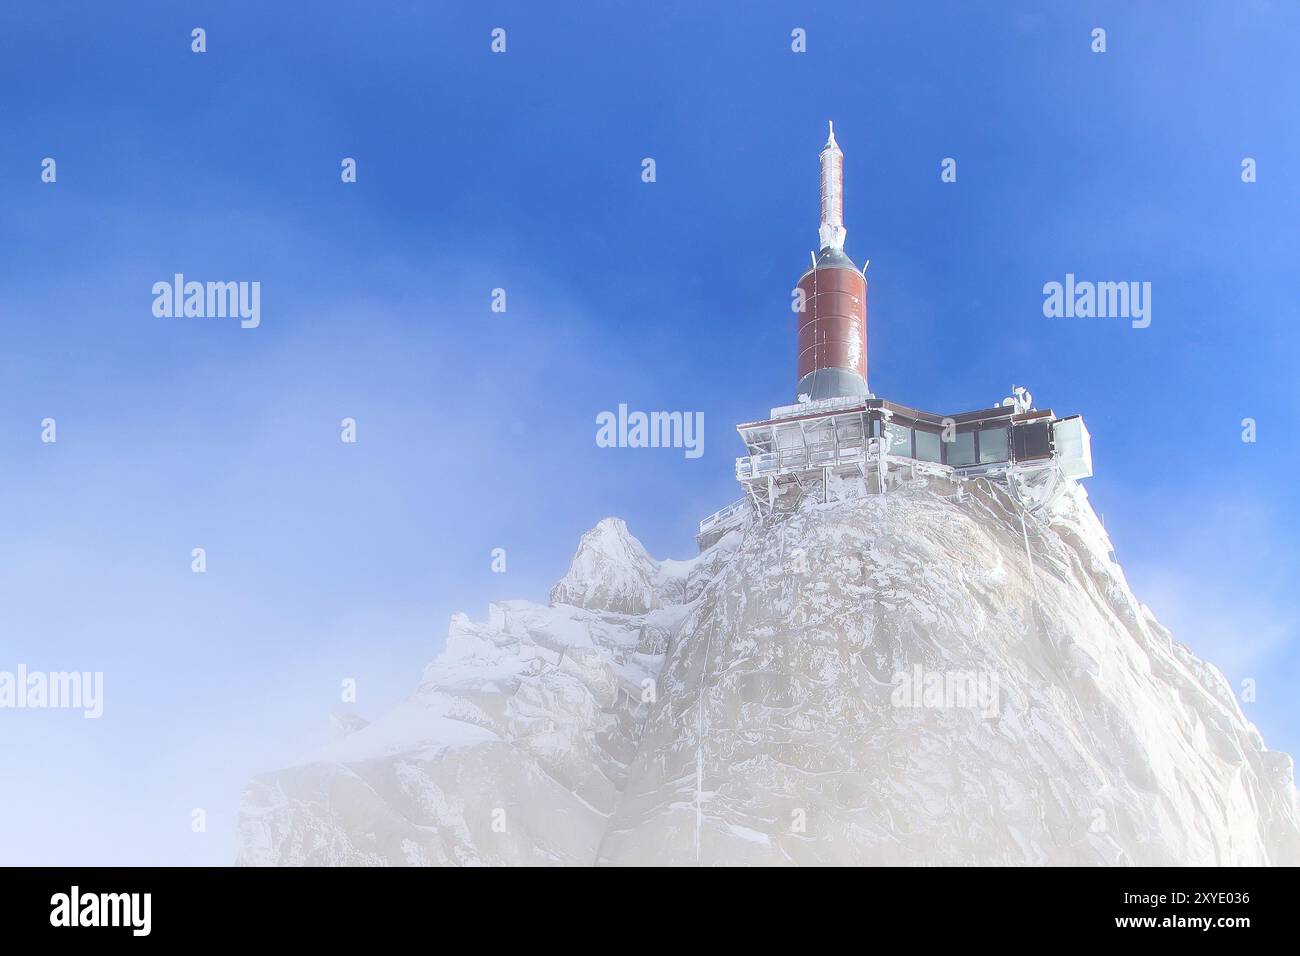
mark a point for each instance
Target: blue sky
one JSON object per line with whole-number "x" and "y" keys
{"x": 476, "y": 429}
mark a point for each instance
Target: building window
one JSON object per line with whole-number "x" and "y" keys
{"x": 927, "y": 446}
{"x": 899, "y": 440}
{"x": 961, "y": 450}
{"x": 994, "y": 445}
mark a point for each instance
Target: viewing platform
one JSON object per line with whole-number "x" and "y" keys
{"x": 809, "y": 448}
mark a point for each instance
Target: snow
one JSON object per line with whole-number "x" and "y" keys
{"x": 612, "y": 571}
{"x": 682, "y": 712}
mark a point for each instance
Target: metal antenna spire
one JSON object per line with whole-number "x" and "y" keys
{"x": 832, "y": 231}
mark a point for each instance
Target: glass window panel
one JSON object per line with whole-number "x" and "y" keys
{"x": 993, "y": 445}
{"x": 900, "y": 440}
{"x": 927, "y": 445}
{"x": 961, "y": 450}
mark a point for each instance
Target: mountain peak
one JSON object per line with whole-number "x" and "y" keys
{"x": 611, "y": 571}
{"x": 905, "y": 678}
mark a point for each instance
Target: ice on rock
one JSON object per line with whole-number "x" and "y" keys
{"x": 744, "y": 707}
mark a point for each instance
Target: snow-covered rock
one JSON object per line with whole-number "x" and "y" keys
{"x": 882, "y": 680}
{"x": 613, "y": 572}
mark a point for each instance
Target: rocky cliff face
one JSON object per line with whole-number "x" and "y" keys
{"x": 908, "y": 678}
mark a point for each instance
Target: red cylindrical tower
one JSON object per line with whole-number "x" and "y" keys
{"x": 832, "y": 360}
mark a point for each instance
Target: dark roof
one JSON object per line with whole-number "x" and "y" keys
{"x": 995, "y": 413}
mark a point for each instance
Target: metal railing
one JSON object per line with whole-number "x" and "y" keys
{"x": 735, "y": 508}
{"x": 800, "y": 458}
